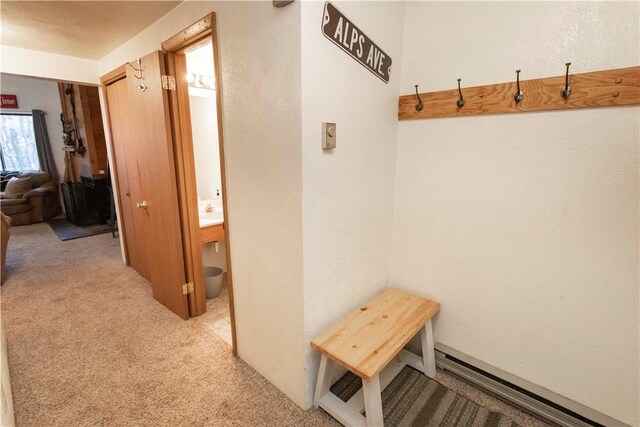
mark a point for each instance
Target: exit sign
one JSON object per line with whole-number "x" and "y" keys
{"x": 9, "y": 101}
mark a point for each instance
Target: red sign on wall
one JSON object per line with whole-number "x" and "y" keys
{"x": 9, "y": 101}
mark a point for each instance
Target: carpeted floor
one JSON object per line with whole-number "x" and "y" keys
{"x": 89, "y": 346}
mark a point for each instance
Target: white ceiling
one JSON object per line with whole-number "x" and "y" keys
{"x": 86, "y": 29}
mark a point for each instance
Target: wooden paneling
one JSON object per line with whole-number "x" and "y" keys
{"x": 212, "y": 233}
{"x": 365, "y": 341}
{"x": 97, "y": 147}
{"x": 80, "y": 162}
{"x": 88, "y": 117}
{"x": 594, "y": 89}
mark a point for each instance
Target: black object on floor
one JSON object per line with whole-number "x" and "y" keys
{"x": 67, "y": 231}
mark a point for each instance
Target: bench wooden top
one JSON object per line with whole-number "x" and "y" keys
{"x": 365, "y": 341}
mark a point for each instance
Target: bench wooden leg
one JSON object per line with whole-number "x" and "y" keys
{"x": 323, "y": 398}
{"x": 373, "y": 401}
{"x": 428, "y": 351}
{"x": 323, "y": 383}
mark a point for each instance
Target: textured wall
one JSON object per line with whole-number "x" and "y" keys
{"x": 348, "y": 193}
{"x": 204, "y": 127}
{"x": 525, "y": 227}
{"x": 260, "y": 60}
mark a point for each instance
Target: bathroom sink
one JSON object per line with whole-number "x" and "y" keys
{"x": 211, "y": 218}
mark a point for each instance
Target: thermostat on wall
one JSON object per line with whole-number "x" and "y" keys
{"x": 328, "y": 136}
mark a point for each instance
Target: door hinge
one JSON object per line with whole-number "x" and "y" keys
{"x": 187, "y": 288}
{"x": 168, "y": 82}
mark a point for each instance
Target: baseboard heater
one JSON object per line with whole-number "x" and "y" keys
{"x": 519, "y": 392}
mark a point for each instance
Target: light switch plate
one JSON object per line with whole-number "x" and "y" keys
{"x": 328, "y": 136}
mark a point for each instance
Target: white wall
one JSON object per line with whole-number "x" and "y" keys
{"x": 36, "y": 94}
{"x": 204, "y": 124}
{"x": 348, "y": 192}
{"x": 525, "y": 227}
{"x": 260, "y": 60}
{"x": 15, "y": 60}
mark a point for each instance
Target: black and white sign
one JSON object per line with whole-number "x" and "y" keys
{"x": 344, "y": 34}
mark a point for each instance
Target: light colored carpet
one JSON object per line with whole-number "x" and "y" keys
{"x": 88, "y": 345}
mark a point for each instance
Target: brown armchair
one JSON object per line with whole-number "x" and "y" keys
{"x": 5, "y": 221}
{"x": 37, "y": 205}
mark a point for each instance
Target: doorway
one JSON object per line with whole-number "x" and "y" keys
{"x": 196, "y": 110}
{"x": 168, "y": 153}
{"x": 206, "y": 152}
{"x": 52, "y": 139}
{"x": 86, "y": 187}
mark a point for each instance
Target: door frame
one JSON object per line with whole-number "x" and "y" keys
{"x": 113, "y": 76}
{"x": 199, "y": 33}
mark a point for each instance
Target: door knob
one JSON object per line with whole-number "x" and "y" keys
{"x": 144, "y": 204}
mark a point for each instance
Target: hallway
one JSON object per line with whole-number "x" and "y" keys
{"x": 89, "y": 345}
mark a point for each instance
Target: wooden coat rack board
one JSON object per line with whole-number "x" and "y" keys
{"x": 595, "y": 89}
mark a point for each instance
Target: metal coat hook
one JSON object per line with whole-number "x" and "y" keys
{"x": 566, "y": 91}
{"x": 518, "y": 95}
{"x": 139, "y": 69}
{"x": 460, "y": 101}
{"x": 419, "y": 105}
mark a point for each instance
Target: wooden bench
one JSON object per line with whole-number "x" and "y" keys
{"x": 369, "y": 342}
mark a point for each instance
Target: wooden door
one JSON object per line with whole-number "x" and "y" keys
{"x": 154, "y": 171}
{"x": 128, "y": 190}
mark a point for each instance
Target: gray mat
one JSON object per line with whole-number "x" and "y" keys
{"x": 67, "y": 231}
{"x": 413, "y": 399}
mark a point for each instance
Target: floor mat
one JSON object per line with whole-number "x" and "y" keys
{"x": 413, "y": 399}
{"x": 67, "y": 231}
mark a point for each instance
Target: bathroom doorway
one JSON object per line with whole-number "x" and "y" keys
{"x": 195, "y": 104}
{"x": 206, "y": 153}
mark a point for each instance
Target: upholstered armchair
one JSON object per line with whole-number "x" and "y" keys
{"x": 36, "y": 205}
{"x": 5, "y": 221}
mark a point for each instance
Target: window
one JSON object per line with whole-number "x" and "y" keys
{"x": 18, "y": 149}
